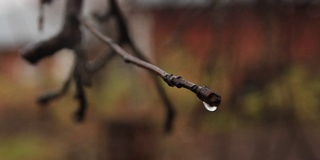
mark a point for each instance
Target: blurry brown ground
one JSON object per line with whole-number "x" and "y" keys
{"x": 262, "y": 59}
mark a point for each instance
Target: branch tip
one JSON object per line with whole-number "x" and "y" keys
{"x": 207, "y": 95}
{"x": 203, "y": 92}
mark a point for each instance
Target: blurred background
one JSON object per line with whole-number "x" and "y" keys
{"x": 261, "y": 56}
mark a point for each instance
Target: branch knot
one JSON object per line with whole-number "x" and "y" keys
{"x": 173, "y": 80}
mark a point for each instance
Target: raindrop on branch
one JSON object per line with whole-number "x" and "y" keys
{"x": 210, "y": 108}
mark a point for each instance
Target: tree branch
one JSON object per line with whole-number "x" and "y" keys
{"x": 202, "y": 92}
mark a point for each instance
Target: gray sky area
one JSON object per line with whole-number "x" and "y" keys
{"x": 19, "y": 22}
{"x": 19, "y": 18}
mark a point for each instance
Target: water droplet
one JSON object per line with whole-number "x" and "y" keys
{"x": 209, "y": 108}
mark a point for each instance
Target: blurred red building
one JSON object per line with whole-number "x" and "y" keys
{"x": 246, "y": 30}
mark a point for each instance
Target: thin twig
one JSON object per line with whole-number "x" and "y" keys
{"x": 81, "y": 98}
{"x": 97, "y": 64}
{"x": 47, "y": 97}
{"x": 82, "y": 78}
{"x": 127, "y": 57}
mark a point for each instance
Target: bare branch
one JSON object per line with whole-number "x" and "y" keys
{"x": 125, "y": 39}
{"x": 70, "y": 37}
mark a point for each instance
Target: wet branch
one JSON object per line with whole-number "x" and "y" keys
{"x": 203, "y": 92}
{"x": 70, "y": 37}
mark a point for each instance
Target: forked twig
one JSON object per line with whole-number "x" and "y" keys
{"x": 69, "y": 37}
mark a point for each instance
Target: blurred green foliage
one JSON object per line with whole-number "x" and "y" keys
{"x": 23, "y": 147}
